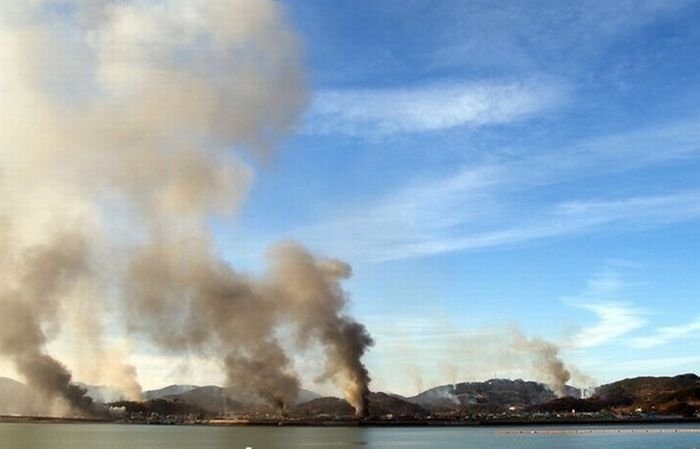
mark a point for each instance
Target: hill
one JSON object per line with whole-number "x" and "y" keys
{"x": 491, "y": 395}
{"x": 18, "y": 399}
{"x": 651, "y": 394}
{"x": 217, "y": 400}
{"x": 168, "y": 391}
{"x": 677, "y": 395}
{"x": 324, "y": 407}
{"x": 385, "y": 404}
{"x": 380, "y": 404}
{"x": 211, "y": 399}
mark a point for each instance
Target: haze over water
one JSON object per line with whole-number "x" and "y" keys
{"x": 110, "y": 436}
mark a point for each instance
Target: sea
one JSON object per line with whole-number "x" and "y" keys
{"x": 116, "y": 436}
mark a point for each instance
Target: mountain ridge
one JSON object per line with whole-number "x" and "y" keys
{"x": 678, "y": 395}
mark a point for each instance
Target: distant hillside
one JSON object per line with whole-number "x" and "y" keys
{"x": 160, "y": 406}
{"x": 566, "y": 405}
{"x": 678, "y": 395}
{"x": 380, "y": 404}
{"x": 211, "y": 399}
{"x": 385, "y": 404}
{"x": 325, "y": 406}
{"x": 650, "y": 393}
{"x": 493, "y": 394}
{"x": 306, "y": 396}
{"x": 218, "y": 400}
{"x": 168, "y": 391}
{"x": 17, "y": 399}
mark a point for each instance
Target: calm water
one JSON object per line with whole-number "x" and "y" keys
{"x": 112, "y": 436}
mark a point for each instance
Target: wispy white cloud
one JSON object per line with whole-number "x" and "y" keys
{"x": 615, "y": 316}
{"x": 429, "y": 108}
{"x": 605, "y": 285}
{"x": 667, "y": 334}
{"x": 482, "y": 206}
{"x": 570, "y": 218}
{"x": 615, "y": 319}
{"x": 395, "y": 230}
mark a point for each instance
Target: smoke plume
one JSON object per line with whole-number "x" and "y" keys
{"x": 312, "y": 288}
{"x": 125, "y": 123}
{"x": 508, "y": 352}
{"x": 547, "y": 364}
{"x": 44, "y": 275}
{"x": 187, "y": 300}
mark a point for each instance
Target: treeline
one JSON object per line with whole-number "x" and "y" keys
{"x": 678, "y": 395}
{"x": 163, "y": 407}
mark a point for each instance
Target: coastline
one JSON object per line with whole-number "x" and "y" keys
{"x": 359, "y": 423}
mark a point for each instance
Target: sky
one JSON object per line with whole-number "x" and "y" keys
{"x": 490, "y": 165}
{"x": 489, "y": 170}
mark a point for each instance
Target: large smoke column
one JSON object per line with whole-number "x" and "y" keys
{"x": 44, "y": 274}
{"x": 313, "y": 290}
{"x": 128, "y": 119}
{"x": 187, "y": 300}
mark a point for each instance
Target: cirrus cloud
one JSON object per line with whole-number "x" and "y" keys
{"x": 431, "y": 107}
{"x": 666, "y": 334}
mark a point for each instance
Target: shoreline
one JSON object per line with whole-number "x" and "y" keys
{"x": 356, "y": 423}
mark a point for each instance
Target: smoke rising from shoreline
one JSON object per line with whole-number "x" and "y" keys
{"x": 127, "y": 119}
{"x": 44, "y": 276}
{"x": 508, "y": 352}
{"x": 186, "y": 300}
{"x": 547, "y": 363}
{"x": 313, "y": 289}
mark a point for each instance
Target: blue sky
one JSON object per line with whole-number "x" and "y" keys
{"x": 486, "y": 166}
{"x": 493, "y": 171}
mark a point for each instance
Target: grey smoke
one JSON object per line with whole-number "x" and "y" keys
{"x": 187, "y": 300}
{"x": 126, "y": 123}
{"x": 31, "y": 305}
{"x": 312, "y": 288}
{"x": 546, "y": 362}
{"x": 509, "y": 352}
